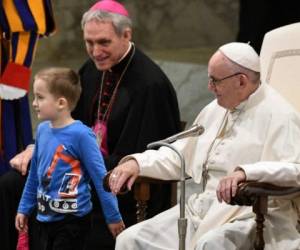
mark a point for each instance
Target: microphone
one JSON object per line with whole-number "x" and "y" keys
{"x": 195, "y": 130}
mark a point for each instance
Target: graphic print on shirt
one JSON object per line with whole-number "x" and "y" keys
{"x": 69, "y": 185}
{"x": 68, "y": 190}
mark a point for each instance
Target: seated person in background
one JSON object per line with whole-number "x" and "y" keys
{"x": 66, "y": 157}
{"x": 250, "y": 132}
{"x": 128, "y": 101}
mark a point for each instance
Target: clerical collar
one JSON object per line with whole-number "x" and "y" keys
{"x": 124, "y": 59}
{"x": 239, "y": 107}
{"x": 126, "y": 53}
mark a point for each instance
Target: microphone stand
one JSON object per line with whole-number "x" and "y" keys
{"x": 182, "y": 221}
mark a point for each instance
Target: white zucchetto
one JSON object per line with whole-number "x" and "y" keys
{"x": 242, "y": 54}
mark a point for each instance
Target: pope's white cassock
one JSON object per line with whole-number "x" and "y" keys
{"x": 262, "y": 135}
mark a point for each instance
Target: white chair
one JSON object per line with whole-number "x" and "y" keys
{"x": 280, "y": 67}
{"x": 280, "y": 61}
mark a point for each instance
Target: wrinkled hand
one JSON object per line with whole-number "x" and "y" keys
{"x": 116, "y": 228}
{"x": 21, "y": 222}
{"x": 21, "y": 161}
{"x": 127, "y": 173}
{"x": 228, "y": 185}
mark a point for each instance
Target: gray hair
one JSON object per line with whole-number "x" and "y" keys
{"x": 119, "y": 22}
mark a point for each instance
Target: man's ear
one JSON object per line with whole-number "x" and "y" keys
{"x": 243, "y": 80}
{"x": 127, "y": 34}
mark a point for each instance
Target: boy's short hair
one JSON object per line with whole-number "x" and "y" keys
{"x": 62, "y": 82}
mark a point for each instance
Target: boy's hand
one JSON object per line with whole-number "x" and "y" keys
{"x": 21, "y": 222}
{"x": 116, "y": 228}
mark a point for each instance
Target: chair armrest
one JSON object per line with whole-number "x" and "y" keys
{"x": 248, "y": 192}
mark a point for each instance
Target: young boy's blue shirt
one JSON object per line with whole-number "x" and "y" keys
{"x": 64, "y": 161}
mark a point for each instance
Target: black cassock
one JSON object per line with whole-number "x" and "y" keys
{"x": 145, "y": 109}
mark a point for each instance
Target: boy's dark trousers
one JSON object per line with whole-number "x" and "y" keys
{"x": 67, "y": 234}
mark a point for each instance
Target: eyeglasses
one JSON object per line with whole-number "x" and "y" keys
{"x": 215, "y": 82}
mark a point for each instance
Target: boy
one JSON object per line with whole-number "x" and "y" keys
{"x": 65, "y": 157}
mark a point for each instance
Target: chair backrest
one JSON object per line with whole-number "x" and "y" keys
{"x": 280, "y": 61}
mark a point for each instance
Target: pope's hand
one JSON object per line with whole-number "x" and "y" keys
{"x": 228, "y": 185}
{"x": 124, "y": 174}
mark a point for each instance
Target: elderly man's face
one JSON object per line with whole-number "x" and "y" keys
{"x": 103, "y": 44}
{"x": 223, "y": 82}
